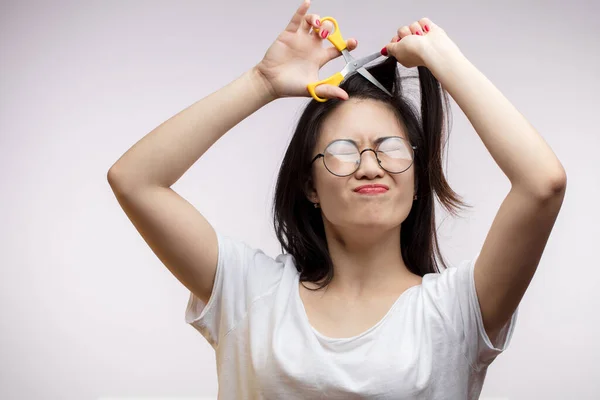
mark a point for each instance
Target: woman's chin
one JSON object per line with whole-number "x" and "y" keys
{"x": 376, "y": 223}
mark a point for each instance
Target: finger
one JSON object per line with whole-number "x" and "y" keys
{"x": 352, "y": 44}
{"x": 403, "y": 32}
{"x": 390, "y": 49}
{"x": 384, "y": 50}
{"x": 333, "y": 52}
{"x": 331, "y": 92}
{"x": 311, "y": 22}
{"x": 415, "y": 29}
{"x": 426, "y": 24}
{"x": 296, "y": 20}
{"x": 326, "y": 29}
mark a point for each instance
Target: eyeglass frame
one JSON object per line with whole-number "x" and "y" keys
{"x": 378, "y": 141}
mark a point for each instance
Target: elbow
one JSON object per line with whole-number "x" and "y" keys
{"x": 111, "y": 176}
{"x": 548, "y": 186}
{"x": 559, "y": 182}
{"x": 115, "y": 179}
{"x": 556, "y": 185}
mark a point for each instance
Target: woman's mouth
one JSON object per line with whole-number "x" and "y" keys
{"x": 371, "y": 189}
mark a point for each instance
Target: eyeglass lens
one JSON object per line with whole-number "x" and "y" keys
{"x": 342, "y": 157}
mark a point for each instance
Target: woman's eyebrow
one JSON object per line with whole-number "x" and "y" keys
{"x": 375, "y": 142}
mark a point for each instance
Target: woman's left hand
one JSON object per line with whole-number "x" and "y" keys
{"x": 414, "y": 45}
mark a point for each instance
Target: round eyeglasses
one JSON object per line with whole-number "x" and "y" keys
{"x": 342, "y": 157}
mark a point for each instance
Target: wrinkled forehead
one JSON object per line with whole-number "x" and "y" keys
{"x": 362, "y": 121}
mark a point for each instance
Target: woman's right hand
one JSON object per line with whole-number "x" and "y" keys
{"x": 294, "y": 59}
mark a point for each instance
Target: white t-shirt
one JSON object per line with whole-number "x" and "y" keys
{"x": 430, "y": 345}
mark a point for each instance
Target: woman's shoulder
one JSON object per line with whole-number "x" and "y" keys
{"x": 233, "y": 248}
{"x": 452, "y": 277}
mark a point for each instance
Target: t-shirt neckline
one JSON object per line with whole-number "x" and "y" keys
{"x": 304, "y": 315}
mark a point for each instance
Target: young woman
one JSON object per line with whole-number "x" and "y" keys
{"x": 356, "y": 306}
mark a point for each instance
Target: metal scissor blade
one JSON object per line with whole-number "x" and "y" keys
{"x": 348, "y": 57}
{"x": 365, "y": 60}
{"x": 372, "y": 79}
{"x": 353, "y": 65}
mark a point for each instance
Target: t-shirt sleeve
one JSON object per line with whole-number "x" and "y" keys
{"x": 243, "y": 275}
{"x": 457, "y": 299}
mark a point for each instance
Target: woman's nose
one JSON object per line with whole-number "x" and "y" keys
{"x": 369, "y": 164}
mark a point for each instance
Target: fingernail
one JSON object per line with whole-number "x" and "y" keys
{"x": 384, "y": 51}
{"x": 426, "y": 28}
{"x": 418, "y": 33}
{"x": 324, "y": 34}
{"x": 399, "y": 39}
{"x": 318, "y": 22}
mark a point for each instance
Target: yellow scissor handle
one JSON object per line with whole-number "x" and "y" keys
{"x": 336, "y": 37}
{"x": 332, "y": 80}
{"x": 338, "y": 41}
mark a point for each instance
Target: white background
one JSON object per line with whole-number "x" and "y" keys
{"x": 88, "y": 311}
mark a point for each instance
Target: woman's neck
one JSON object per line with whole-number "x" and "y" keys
{"x": 367, "y": 263}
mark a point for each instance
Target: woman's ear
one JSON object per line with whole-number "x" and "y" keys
{"x": 310, "y": 192}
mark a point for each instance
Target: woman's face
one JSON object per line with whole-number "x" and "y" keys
{"x": 363, "y": 121}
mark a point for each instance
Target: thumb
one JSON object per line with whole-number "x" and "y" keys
{"x": 390, "y": 49}
{"x": 327, "y": 91}
{"x": 332, "y": 53}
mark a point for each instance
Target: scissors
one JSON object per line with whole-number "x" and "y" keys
{"x": 352, "y": 65}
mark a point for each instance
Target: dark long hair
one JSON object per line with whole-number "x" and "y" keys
{"x": 299, "y": 226}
